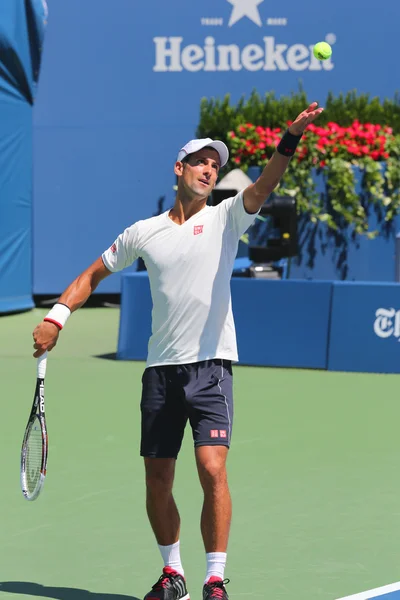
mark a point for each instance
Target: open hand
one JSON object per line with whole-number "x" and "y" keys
{"x": 305, "y": 118}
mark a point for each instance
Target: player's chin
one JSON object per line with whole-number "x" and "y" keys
{"x": 202, "y": 190}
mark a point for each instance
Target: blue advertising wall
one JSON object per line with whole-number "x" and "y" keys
{"x": 120, "y": 89}
{"x": 335, "y": 326}
{"x": 365, "y": 328}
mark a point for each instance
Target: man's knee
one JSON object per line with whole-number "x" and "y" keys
{"x": 211, "y": 465}
{"x": 160, "y": 474}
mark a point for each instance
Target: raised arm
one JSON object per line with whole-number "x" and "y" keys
{"x": 46, "y": 333}
{"x": 257, "y": 193}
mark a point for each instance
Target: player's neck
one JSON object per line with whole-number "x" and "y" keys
{"x": 185, "y": 208}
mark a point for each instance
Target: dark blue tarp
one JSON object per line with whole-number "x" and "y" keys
{"x": 22, "y": 25}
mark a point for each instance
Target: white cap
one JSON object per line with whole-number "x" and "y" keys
{"x": 196, "y": 145}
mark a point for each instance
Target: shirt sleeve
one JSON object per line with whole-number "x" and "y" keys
{"x": 123, "y": 252}
{"x": 237, "y": 216}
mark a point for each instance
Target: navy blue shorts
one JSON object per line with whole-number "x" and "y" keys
{"x": 173, "y": 394}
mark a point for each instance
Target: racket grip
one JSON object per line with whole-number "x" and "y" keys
{"x": 41, "y": 366}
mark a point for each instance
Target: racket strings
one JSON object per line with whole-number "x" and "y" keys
{"x": 33, "y": 457}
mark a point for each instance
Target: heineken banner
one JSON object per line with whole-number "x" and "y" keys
{"x": 120, "y": 91}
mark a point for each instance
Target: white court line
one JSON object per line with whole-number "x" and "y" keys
{"x": 386, "y": 589}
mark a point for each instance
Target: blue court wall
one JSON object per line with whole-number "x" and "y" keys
{"x": 120, "y": 90}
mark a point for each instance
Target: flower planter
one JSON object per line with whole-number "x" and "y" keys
{"x": 326, "y": 254}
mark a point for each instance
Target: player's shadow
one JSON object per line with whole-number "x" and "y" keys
{"x": 58, "y": 593}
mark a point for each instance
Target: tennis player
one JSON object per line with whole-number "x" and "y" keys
{"x": 189, "y": 252}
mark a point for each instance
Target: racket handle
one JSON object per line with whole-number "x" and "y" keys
{"x": 41, "y": 366}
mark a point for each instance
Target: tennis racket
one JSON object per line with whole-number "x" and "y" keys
{"x": 35, "y": 443}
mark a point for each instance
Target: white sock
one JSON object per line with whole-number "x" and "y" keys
{"x": 216, "y": 562}
{"x": 172, "y": 557}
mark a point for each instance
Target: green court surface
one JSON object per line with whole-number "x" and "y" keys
{"x": 313, "y": 472}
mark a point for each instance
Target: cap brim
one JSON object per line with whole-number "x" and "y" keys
{"x": 222, "y": 150}
{"x": 219, "y": 146}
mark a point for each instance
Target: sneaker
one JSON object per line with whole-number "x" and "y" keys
{"x": 215, "y": 588}
{"x": 170, "y": 586}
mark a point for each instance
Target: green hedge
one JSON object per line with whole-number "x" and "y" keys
{"x": 340, "y": 206}
{"x": 219, "y": 116}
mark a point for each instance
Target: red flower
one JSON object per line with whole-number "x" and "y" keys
{"x": 357, "y": 140}
{"x": 354, "y": 150}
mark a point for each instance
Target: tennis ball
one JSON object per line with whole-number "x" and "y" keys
{"x": 322, "y": 50}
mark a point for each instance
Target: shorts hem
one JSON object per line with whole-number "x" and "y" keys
{"x": 209, "y": 443}
{"x": 155, "y": 455}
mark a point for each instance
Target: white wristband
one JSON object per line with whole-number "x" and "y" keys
{"x": 58, "y": 315}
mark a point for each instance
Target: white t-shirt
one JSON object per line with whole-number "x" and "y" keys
{"x": 189, "y": 268}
